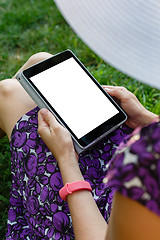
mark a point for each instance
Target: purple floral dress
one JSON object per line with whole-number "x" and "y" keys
{"x": 36, "y": 211}
{"x": 135, "y": 169}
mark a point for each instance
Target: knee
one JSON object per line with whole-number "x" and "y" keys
{"x": 38, "y": 57}
{"x": 6, "y": 88}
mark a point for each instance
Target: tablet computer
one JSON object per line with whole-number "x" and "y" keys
{"x": 63, "y": 85}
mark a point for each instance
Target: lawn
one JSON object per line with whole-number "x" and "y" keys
{"x": 27, "y": 27}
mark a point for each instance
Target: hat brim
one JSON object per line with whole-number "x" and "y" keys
{"x": 126, "y": 34}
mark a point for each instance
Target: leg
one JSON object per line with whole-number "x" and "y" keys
{"x": 14, "y": 101}
{"x": 38, "y": 57}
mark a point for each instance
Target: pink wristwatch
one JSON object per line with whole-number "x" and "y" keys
{"x": 69, "y": 188}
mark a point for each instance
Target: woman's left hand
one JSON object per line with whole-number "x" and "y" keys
{"x": 55, "y": 136}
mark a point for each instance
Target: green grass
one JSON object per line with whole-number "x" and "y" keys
{"x": 27, "y": 27}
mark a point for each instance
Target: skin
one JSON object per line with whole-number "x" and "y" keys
{"x": 14, "y": 101}
{"x": 137, "y": 114}
{"x": 128, "y": 218}
{"x": 88, "y": 222}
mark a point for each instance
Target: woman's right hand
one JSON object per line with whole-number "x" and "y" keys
{"x": 56, "y": 137}
{"x": 137, "y": 114}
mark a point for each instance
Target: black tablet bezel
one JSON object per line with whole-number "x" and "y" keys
{"x": 95, "y": 133}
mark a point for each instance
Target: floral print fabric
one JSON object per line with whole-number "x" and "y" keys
{"x": 36, "y": 209}
{"x": 135, "y": 169}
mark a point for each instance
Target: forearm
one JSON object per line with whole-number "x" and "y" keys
{"x": 149, "y": 117}
{"x": 88, "y": 223}
{"x": 142, "y": 119}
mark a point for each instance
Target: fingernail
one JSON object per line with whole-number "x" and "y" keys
{"x": 107, "y": 89}
{"x": 43, "y": 111}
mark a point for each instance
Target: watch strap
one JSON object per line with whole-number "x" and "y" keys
{"x": 69, "y": 188}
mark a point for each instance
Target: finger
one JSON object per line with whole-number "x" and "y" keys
{"x": 41, "y": 120}
{"x": 116, "y": 93}
{"x": 47, "y": 123}
{"x": 48, "y": 118}
{"x": 108, "y": 87}
{"x": 43, "y": 127}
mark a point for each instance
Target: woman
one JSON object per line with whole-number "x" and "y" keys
{"x": 36, "y": 211}
{"x": 136, "y": 206}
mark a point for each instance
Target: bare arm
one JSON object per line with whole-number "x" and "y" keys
{"x": 88, "y": 223}
{"x": 130, "y": 220}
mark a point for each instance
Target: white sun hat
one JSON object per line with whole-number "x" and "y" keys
{"x": 124, "y": 33}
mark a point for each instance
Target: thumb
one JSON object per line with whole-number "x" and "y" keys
{"x": 46, "y": 117}
{"x": 116, "y": 93}
{"x": 45, "y": 121}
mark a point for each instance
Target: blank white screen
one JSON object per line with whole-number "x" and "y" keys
{"x": 74, "y": 96}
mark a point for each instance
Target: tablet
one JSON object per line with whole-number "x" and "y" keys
{"x": 63, "y": 85}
